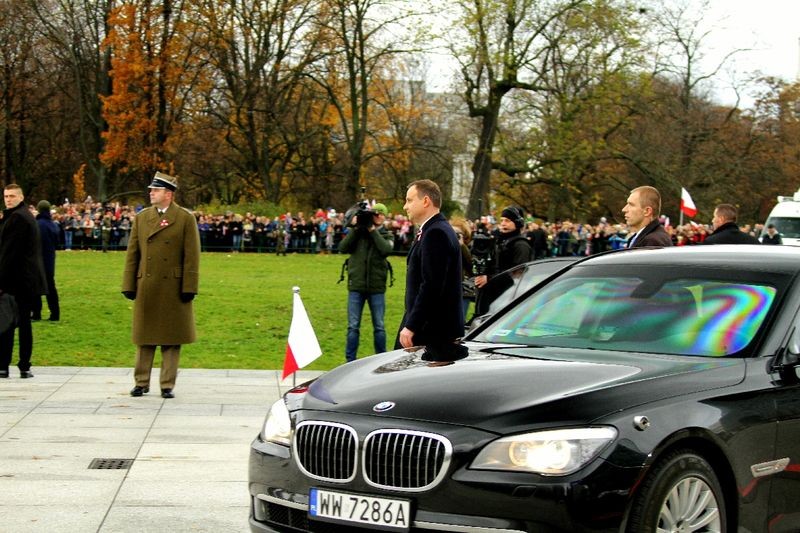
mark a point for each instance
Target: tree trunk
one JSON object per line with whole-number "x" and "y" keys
{"x": 482, "y": 164}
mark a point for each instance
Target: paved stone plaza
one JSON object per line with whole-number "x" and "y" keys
{"x": 189, "y": 469}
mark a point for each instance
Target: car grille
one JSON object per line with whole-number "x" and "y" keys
{"x": 392, "y": 458}
{"x": 405, "y": 460}
{"x": 326, "y": 450}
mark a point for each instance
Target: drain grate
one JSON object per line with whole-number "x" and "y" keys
{"x": 110, "y": 464}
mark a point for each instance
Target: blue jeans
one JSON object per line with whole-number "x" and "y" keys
{"x": 355, "y": 306}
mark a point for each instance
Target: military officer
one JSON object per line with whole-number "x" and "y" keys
{"x": 162, "y": 277}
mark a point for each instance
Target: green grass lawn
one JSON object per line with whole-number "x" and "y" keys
{"x": 243, "y": 311}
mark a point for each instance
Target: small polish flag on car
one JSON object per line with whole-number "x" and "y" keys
{"x": 687, "y": 205}
{"x": 303, "y": 347}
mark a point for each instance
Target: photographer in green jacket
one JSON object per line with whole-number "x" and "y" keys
{"x": 368, "y": 244}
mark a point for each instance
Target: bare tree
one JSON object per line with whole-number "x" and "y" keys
{"x": 362, "y": 36}
{"x": 74, "y": 31}
{"x": 259, "y": 53}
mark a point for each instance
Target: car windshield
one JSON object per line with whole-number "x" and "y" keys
{"x": 788, "y": 227}
{"x": 656, "y": 313}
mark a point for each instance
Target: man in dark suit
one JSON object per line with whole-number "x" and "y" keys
{"x": 21, "y": 275}
{"x": 771, "y": 236}
{"x": 50, "y": 235}
{"x": 726, "y": 231}
{"x": 641, "y": 214}
{"x": 162, "y": 275}
{"x": 434, "y": 315}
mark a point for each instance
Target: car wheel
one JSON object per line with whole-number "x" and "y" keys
{"x": 680, "y": 494}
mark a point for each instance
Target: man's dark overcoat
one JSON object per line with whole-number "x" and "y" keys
{"x": 729, "y": 233}
{"x": 163, "y": 261}
{"x": 21, "y": 268}
{"x": 434, "y": 307}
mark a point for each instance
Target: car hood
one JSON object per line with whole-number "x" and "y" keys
{"x": 496, "y": 388}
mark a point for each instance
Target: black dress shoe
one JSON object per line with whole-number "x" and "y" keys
{"x": 167, "y": 393}
{"x": 3, "y": 373}
{"x": 138, "y": 391}
{"x": 25, "y": 374}
{"x": 53, "y": 319}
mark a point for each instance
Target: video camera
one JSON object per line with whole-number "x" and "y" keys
{"x": 360, "y": 215}
{"x": 483, "y": 252}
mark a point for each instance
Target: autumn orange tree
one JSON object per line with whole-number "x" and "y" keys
{"x": 155, "y": 68}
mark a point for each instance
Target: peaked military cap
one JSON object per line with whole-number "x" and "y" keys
{"x": 163, "y": 181}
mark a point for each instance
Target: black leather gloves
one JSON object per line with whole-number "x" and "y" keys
{"x": 187, "y": 297}
{"x": 130, "y": 295}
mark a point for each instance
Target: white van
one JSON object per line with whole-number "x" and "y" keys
{"x": 786, "y": 218}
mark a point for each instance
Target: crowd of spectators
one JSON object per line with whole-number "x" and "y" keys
{"x": 96, "y": 226}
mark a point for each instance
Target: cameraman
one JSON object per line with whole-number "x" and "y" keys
{"x": 511, "y": 248}
{"x": 368, "y": 244}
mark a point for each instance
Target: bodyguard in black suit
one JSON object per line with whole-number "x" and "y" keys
{"x": 726, "y": 230}
{"x": 434, "y": 314}
{"x": 641, "y": 211}
{"x": 21, "y": 275}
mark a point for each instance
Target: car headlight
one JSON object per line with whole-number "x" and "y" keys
{"x": 277, "y": 426}
{"x": 550, "y": 453}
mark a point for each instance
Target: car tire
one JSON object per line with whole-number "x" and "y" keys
{"x": 680, "y": 488}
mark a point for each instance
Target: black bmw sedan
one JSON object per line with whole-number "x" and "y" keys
{"x": 641, "y": 391}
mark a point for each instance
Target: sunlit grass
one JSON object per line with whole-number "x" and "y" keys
{"x": 243, "y": 311}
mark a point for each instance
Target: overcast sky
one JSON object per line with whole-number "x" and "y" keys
{"x": 770, "y": 27}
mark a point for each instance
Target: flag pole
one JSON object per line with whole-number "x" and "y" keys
{"x": 302, "y": 347}
{"x": 295, "y": 290}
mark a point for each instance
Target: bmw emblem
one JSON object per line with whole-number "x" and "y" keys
{"x": 383, "y": 407}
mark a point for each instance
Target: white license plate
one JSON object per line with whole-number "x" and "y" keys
{"x": 386, "y": 513}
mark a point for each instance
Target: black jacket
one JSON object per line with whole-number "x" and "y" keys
{"x": 729, "y": 233}
{"x": 538, "y": 240}
{"x": 21, "y": 269}
{"x": 652, "y": 234}
{"x": 434, "y": 307}
{"x": 512, "y": 249}
{"x": 50, "y": 236}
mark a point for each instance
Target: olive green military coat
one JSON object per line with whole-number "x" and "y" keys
{"x": 163, "y": 261}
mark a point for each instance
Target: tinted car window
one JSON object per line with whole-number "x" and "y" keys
{"x": 681, "y": 316}
{"x": 515, "y": 281}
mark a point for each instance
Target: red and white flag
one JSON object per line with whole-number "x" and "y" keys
{"x": 687, "y": 205}
{"x": 303, "y": 347}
